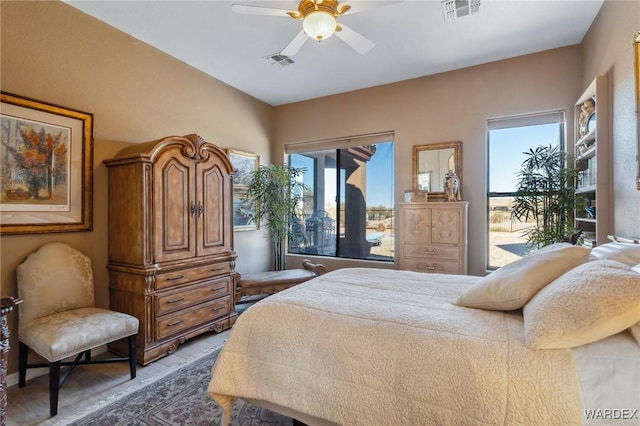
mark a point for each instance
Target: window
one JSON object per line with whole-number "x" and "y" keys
{"x": 347, "y": 208}
{"x": 507, "y": 140}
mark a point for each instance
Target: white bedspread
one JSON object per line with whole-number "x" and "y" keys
{"x": 383, "y": 347}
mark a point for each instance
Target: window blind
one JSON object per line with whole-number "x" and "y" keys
{"x": 336, "y": 143}
{"x": 526, "y": 120}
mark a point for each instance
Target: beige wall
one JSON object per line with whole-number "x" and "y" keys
{"x": 608, "y": 49}
{"x": 56, "y": 54}
{"x": 441, "y": 108}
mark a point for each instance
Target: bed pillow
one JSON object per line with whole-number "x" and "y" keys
{"x": 635, "y": 328}
{"x": 593, "y": 301}
{"x": 511, "y": 286}
{"x": 627, "y": 253}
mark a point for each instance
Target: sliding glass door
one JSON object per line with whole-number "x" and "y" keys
{"x": 348, "y": 204}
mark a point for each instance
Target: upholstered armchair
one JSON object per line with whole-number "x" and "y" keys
{"x": 58, "y": 318}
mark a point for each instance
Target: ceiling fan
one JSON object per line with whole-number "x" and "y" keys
{"x": 319, "y": 22}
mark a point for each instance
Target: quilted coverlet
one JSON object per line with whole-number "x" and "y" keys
{"x": 364, "y": 346}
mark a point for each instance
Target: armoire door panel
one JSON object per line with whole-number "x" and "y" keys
{"x": 211, "y": 191}
{"x": 175, "y": 209}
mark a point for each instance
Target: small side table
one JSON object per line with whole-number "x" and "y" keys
{"x": 7, "y": 306}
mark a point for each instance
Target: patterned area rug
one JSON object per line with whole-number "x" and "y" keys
{"x": 179, "y": 399}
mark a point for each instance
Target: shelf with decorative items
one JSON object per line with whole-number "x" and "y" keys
{"x": 586, "y": 145}
{"x": 592, "y": 160}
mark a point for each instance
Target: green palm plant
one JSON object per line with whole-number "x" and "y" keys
{"x": 545, "y": 193}
{"x": 277, "y": 191}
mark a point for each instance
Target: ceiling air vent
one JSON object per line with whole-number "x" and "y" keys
{"x": 454, "y": 9}
{"x": 277, "y": 58}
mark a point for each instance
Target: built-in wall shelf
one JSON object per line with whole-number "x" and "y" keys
{"x": 592, "y": 159}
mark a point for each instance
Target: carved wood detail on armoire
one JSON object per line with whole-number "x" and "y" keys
{"x": 171, "y": 257}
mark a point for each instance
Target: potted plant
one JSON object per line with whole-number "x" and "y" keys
{"x": 545, "y": 193}
{"x": 277, "y": 191}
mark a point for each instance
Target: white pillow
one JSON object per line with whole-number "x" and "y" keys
{"x": 627, "y": 253}
{"x": 593, "y": 301}
{"x": 511, "y": 286}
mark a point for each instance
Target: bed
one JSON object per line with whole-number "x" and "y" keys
{"x": 364, "y": 346}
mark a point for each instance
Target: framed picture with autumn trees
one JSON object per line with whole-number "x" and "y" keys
{"x": 46, "y": 163}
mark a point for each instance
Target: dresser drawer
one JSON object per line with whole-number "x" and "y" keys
{"x": 431, "y": 251}
{"x": 433, "y": 266}
{"x": 192, "y": 317}
{"x": 184, "y": 276}
{"x": 192, "y": 295}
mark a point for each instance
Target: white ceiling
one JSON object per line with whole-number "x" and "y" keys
{"x": 412, "y": 40}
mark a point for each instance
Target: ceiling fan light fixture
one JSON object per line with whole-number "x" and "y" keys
{"x": 319, "y": 25}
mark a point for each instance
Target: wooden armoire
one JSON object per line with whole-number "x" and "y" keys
{"x": 171, "y": 257}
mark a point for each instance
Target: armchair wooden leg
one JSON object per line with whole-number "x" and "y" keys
{"x": 132, "y": 355}
{"x": 54, "y": 387}
{"x": 23, "y": 358}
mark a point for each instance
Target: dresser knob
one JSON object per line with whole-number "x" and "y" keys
{"x": 430, "y": 268}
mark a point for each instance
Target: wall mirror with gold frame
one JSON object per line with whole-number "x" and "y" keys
{"x": 431, "y": 162}
{"x": 636, "y": 51}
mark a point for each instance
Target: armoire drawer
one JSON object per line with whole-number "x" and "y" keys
{"x": 171, "y": 324}
{"x": 432, "y": 251}
{"x": 188, "y": 296}
{"x": 432, "y": 266}
{"x": 183, "y": 276}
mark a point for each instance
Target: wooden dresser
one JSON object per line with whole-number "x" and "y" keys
{"x": 171, "y": 257}
{"x": 8, "y": 303}
{"x": 434, "y": 237}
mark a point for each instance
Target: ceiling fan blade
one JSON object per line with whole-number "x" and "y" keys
{"x": 294, "y": 46}
{"x": 359, "y": 43}
{"x": 358, "y": 6}
{"x": 257, "y": 10}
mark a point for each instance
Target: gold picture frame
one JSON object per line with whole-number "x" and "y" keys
{"x": 245, "y": 163}
{"x": 244, "y": 209}
{"x": 636, "y": 50}
{"x": 46, "y": 164}
{"x": 437, "y": 158}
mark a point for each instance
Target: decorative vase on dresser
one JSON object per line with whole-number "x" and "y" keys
{"x": 434, "y": 237}
{"x": 171, "y": 257}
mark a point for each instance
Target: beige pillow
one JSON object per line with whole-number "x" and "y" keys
{"x": 627, "y": 253}
{"x": 635, "y": 328}
{"x": 511, "y": 286}
{"x": 593, "y": 301}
